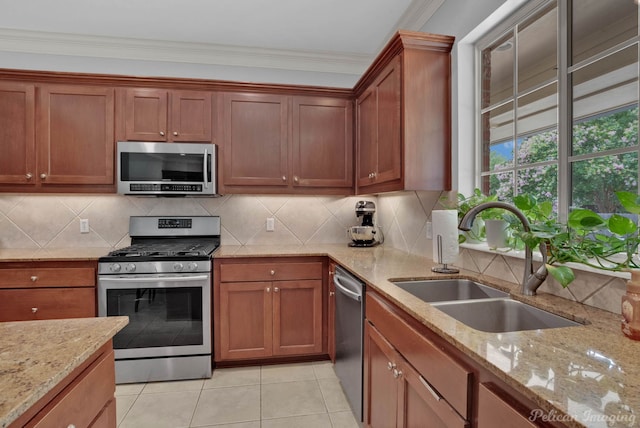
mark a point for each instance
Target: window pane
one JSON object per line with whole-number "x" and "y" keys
{"x": 500, "y": 184}
{"x": 497, "y": 72}
{"x": 537, "y": 50}
{"x": 594, "y": 181}
{"x": 540, "y": 181}
{"x": 608, "y": 131}
{"x": 598, "y": 25}
{"x": 537, "y": 126}
{"x": 497, "y": 137}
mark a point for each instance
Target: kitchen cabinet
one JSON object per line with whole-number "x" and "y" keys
{"x": 268, "y": 308}
{"x": 167, "y": 115}
{"x": 47, "y": 290}
{"x": 403, "y": 124}
{"x": 62, "y": 143}
{"x": 275, "y": 143}
{"x": 496, "y": 408}
{"x": 85, "y": 398}
{"x": 408, "y": 380}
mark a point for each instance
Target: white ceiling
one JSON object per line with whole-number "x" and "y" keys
{"x": 339, "y": 36}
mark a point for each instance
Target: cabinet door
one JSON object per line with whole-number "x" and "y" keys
{"x": 367, "y": 136}
{"x": 389, "y": 147}
{"x": 331, "y": 313}
{"x": 322, "y": 142}
{"x": 380, "y": 387}
{"x": 245, "y": 320}
{"x": 47, "y": 303}
{"x": 17, "y": 133}
{"x": 255, "y": 140}
{"x": 494, "y": 410}
{"x": 146, "y": 115}
{"x": 190, "y": 116}
{"x": 297, "y": 317}
{"x": 421, "y": 405}
{"x": 75, "y": 135}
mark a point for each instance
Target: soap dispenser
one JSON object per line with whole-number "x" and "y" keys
{"x": 631, "y": 307}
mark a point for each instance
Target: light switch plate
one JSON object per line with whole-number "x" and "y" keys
{"x": 84, "y": 225}
{"x": 271, "y": 224}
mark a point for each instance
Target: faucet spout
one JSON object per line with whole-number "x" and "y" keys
{"x": 532, "y": 279}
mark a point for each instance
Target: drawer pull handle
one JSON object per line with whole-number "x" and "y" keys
{"x": 34, "y": 310}
{"x": 34, "y": 278}
{"x": 272, "y": 272}
{"x": 430, "y": 388}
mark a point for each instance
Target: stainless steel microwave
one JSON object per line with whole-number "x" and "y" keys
{"x": 166, "y": 169}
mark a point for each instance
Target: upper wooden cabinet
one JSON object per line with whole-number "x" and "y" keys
{"x": 286, "y": 144}
{"x": 403, "y": 123}
{"x": 56, "y": 138}
{"x": 167, "y": 115}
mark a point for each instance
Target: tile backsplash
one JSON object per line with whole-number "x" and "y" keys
{"x": 53, "y": 221}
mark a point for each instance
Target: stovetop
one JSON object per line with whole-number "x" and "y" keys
{"x": 166, "y": 248}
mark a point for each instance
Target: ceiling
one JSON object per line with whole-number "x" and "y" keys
{"x": 335, "y": 36}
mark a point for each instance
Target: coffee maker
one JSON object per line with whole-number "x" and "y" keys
{"x": 365, "y": 235}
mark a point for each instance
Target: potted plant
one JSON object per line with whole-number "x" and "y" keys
{"x": 463, "y": 204}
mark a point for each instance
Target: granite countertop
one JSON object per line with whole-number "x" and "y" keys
{"x": 37, "y": 355}
{"x": 590, "y": 373}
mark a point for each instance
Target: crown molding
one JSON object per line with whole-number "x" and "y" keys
{"x": 36, "y": 42}
{"x": 416, "y": 16}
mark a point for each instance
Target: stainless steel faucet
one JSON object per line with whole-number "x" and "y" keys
{"x": 532, "y": 280}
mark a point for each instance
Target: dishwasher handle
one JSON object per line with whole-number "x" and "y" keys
{"x": 337, "y": 278}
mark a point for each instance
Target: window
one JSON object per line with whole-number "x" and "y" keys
{"x": 558, "y": 92}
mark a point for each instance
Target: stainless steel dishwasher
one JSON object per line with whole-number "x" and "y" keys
{"x": 349, "y": 320}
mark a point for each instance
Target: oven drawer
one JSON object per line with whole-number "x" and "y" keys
{"x": 48, "y": 277}
{"x": 233, "y": 272}
{"x": 47, "y": 303}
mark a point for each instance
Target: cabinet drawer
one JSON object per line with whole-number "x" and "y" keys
{"x": 270, "y": 271}
{"x": 493, "y": 410}
{"x": 47, "y": 277}
{"x": 47, "y": 303}
{"x": 80, "y": 402}
{"x": 450, "y": 378}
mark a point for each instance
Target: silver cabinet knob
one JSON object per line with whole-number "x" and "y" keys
{"x": 397, "y": 373}
{"x": 43, "y": 175}
{"x": 71, "y": 426}
{"x": 34, "y": 310}
{"x": 272, "y": 272}
{"x": 284, "y": 178}
{"x": 162, "y": 133}
{"x": 390, "y": 366}
{"x": 276, "y": 289}
{"x": 332, "y": 293}
{"x": 34, "y": 278}
{"x": 175, "y": 133}
{"x": 268, "y": 289}
{"x": 295, "y": 179}
{"x": 29, "y": 176}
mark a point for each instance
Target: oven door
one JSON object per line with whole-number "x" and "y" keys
{"x": 169, "y": 315}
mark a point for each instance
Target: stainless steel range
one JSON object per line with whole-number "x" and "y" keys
{"x": 162, "y": 282}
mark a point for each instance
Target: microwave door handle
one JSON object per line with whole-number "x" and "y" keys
{"x": 205, "y": 168}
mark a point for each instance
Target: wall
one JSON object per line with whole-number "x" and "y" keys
{"x": 43, "y": 221}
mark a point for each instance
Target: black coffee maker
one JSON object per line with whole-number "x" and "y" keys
{"x": 365, "y": 235}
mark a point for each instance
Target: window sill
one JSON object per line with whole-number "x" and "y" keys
{"x": 538, "y": 257}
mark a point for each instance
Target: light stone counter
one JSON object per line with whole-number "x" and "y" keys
{"x": 36, "y": 355}
{"x": 49, "y": 254}
{"x": 590, "y": 372}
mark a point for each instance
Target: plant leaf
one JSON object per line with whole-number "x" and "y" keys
{"x": 630, "y": 201}
{"x": 621, "y": 225}
{"x": 524, "y": 202}
{"x": 584, "y": 219}
{"x": 563, "y": 274}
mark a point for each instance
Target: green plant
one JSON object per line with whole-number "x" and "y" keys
{"x": 588, "y": 238}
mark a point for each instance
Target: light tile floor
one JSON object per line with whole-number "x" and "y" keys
{"x": 280, "y": 396}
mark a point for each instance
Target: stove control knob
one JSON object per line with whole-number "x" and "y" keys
{"x": 115, "y": 267}
{"x": 192, "y": 266}
{"x": 130, "y": 267}
{"x": 178, "y": 267}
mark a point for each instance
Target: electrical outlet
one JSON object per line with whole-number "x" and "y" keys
{"x": 429, "y": 230}
{"x": 84, "y": 225}
{"x": 271, "y": 224}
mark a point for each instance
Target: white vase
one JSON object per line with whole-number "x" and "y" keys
{"x": 496, "y": 231}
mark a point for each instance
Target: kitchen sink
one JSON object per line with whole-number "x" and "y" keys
{"x": 502, "y": 315}
{"x": 442, "y": 290}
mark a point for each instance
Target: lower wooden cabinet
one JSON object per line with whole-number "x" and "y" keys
{"x": 47, "y": 290}
{"x": 496, "y": 409}
{"x": 85, "y": 398}
{"x": 265, "y": 309}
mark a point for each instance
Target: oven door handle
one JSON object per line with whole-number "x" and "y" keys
{"x": 157, "y": 279}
